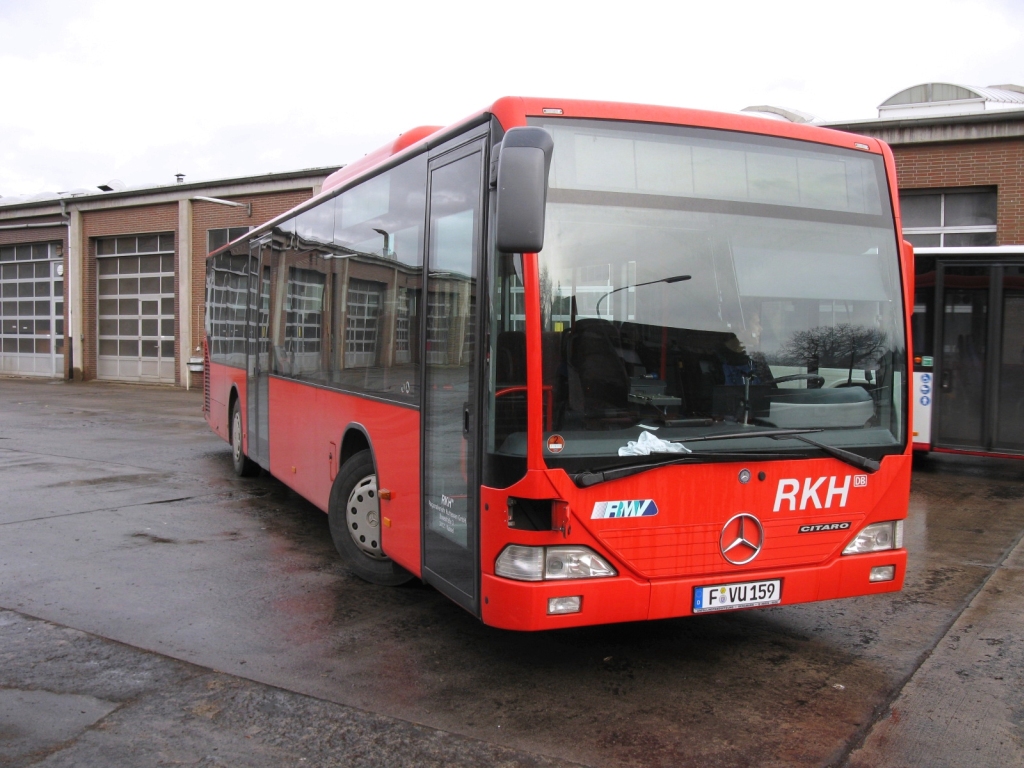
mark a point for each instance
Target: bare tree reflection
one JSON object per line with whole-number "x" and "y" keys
{"x": 839, "y": 346}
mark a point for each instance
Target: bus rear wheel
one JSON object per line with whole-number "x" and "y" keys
{"x": 354, "y": 516}
{"x": 244, "y": 466}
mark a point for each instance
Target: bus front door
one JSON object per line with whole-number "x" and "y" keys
{"x": 450, "y": 371}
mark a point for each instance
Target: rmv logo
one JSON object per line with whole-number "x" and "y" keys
{"x": 789, "y": 488}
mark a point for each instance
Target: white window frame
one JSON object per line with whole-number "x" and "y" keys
{"x": 942, "y": 230}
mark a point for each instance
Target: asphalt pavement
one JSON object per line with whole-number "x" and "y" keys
{"x": 157, "y": 610}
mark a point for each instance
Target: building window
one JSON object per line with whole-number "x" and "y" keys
{"x": 215, "y": 238}
{"x": 949, "y": 219}
{"x": 135, "y": 244}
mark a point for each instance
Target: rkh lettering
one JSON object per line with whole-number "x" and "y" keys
{"x": 811, "y": 492}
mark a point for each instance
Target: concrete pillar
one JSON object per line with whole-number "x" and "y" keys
{"x": 76, "y": 288}
{"x": 186, "y": 344}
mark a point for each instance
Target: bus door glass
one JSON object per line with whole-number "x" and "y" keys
{"x": 979, "y": 375}
{"x": 965, "y": 333}
{"x": 1010, "y": 423}
{"x": 257, "y": 362}
{"x": 450, "y": 560}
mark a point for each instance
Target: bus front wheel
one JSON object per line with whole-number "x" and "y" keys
{"x": 354, "y": 516}
{"x": 244, "y": 466}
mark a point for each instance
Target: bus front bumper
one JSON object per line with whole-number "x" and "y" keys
{"x": 524, "y": 606}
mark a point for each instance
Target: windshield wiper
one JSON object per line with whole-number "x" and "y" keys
{"x": 588, "y": 478}
{"x": 854, "y": 459}
{"x": 748, "y": 433}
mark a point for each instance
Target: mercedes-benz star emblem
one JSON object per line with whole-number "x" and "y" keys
{"x": 742, "y": 538}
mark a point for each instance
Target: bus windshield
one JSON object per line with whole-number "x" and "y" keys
{"x": 698, "y": 281}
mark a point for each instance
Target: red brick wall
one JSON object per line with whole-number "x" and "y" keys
{"x": 206, "y": 216}
{"x": 32, "y": 234}
{"x": 998, "y": 163}
{"x": 139, "y": 220}
{"x": 44, "y": 235}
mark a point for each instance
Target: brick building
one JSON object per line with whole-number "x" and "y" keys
{"x": 109, "y": 283}
{"x": 960, "y": 159}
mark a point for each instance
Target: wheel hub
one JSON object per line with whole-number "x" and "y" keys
{"x": 362, "y": 517}
{"x": 236, "y": 436}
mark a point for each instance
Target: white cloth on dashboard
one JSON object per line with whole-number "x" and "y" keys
{"x": 647, "y": 444}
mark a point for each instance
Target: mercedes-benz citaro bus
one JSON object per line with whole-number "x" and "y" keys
{"x": 580, "y": 362}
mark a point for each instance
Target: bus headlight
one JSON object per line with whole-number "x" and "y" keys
{"x": 575, "y": 563}
{"x": 551, "y": 563}
{"x": 876, "y": 538}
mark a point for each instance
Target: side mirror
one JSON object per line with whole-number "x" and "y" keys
{"x": 523, "y": 167}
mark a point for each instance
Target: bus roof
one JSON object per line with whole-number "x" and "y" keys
{"x": 513, "y": 111}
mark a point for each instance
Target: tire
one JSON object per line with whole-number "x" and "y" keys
{"x": 244, "y": 466}
{"x": 354, "y": 517}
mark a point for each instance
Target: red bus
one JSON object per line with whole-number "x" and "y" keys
{"x": 581, "y": 362}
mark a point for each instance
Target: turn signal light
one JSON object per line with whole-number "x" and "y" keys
{"x": 521, "y": 563}
{"x": 551, "y": 563}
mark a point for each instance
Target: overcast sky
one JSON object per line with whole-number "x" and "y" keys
{"x": 101, "y": 89}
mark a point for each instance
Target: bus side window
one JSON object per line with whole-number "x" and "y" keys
{"x": 304, "y": 308}
{"x": 299, "y": 284}
{"x": 346, "y": 284}
{"x": 377, "y": 258}
{"x": 506, "y": 403}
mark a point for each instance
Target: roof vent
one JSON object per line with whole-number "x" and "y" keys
{"x": 782, "y": 113}
{"x": 180, "y": 177}
{"x": 114, "y": 185}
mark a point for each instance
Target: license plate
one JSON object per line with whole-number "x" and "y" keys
{"x": 726, "y": 597}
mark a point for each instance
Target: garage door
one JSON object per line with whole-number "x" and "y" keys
{"x": 32, "y": 310}
{"x": 136, "y": 308}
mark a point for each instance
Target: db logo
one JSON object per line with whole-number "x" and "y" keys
{"x": 860, "y": 481}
